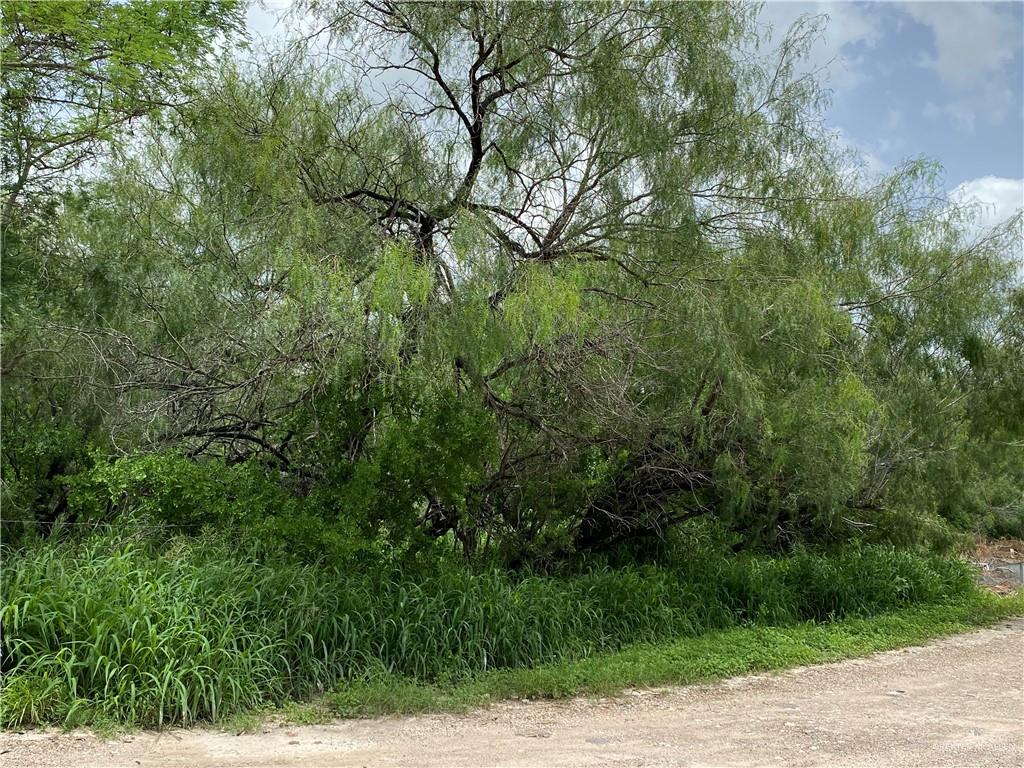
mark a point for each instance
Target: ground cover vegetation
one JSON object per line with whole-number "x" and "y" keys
{"x": 453, "y": 337}
{"x": 115, "y": 630}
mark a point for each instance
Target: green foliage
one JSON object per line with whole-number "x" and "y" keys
{"x": 75, "y": 72}
{"x": 173, "y": 489}
{"x": 584, "y": 336}
{"x": 565, "y": 287}
{"x": 710, "y": 656}
{"x": 170, "y": 492}
{"x": 117, "y": 629}
{"x": 75, "y": 75}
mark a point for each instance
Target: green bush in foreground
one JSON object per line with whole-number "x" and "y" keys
{"x": 114, "y": 629}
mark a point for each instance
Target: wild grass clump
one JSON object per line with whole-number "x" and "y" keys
{"x": 128, "y": 631}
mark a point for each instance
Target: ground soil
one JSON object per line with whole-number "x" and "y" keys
{"x": 1005, "y": 550}
{"x": 956, "y": 702}
{"x": 990, "y": 556}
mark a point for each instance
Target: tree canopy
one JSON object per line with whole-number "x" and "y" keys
{"x": 532, "y": 278}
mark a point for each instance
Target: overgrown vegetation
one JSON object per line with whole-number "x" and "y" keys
{"x": 579, "y": 272}
{"x": 122, "y": 630}
{"x": 711, "y": 656}
{"x": 460, "y": 322}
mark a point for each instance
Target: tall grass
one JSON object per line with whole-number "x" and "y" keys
{"x": 125, "y": 631}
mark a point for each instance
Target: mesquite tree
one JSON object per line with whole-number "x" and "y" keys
{"x": 546, "y": 277}
{"x": 75, "y": 77}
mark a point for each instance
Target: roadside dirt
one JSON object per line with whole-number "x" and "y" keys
{"x": 999, "y": 549}
{"x": 991, "y": 559}
{"x": 956, "y": 702}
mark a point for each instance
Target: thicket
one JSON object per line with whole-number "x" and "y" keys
{"x": 533, "y": 279}
{"x": 120, "y": 630}
{"x": 449, "y": 318}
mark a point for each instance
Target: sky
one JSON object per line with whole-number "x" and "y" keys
{"x": 942, "y": 80}
{"x": 936, "y": 79}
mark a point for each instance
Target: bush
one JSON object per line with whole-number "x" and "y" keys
{"x": 1008, "y": 524}
{"x": 171, "y": 492}
{"x": 120, "y": 629}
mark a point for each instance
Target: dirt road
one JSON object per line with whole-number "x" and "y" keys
{"x": 956, "y": 702}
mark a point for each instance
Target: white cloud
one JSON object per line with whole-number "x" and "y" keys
{"x": 995, "y": 199}
{"x": 265, "y": 19}
{"x": 991, "y": 201}
{"x": 862, "y": 158}
{"x": 972, "y": 40}
{"x": 975, "y": 45}
{"x": 847, "y": 24}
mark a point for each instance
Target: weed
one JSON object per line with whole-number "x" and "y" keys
{"x": 121, "y": 630}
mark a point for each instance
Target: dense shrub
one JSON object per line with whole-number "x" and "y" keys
{"x": 116, "y": 628}
{"x": 168, "y": 491}
{"x": 540, "y": 303}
